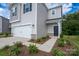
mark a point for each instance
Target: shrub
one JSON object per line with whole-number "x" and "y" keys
{"x": 6, "y": 34}
{"x": 61, "y": 35}
{"x": 15, "y": 51}
{"x": 18, "y": 44}
{"x": 32, "y": 49}
{"x": 61, "y": 42}
{"x": 6, "y": 47}
{"x": 57, "y": 52}
{"x": 47, "y": 37}
{"x": 16, "y": 48}
{"x": 43, "y": 37}
{"x": 39, "y": 40}
{"x": 1, "y": 33}
{"x": 68, "y": 42}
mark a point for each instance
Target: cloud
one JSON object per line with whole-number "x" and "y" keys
{"x": 52, "y": 5}
{"x": 67, "y": 7}
{"x": 4, "y": 11}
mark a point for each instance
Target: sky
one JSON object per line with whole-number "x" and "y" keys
{"x": 67, "y": 8}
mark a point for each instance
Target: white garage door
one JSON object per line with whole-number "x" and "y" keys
{"x": 24, "y": 31}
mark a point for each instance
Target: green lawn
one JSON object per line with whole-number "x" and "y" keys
{"x": 74, "y": 40}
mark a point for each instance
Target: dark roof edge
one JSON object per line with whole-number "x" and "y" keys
{"x": 4, "y": 17}
{"x": 44, "y": 5}
{"x": 54, "y": 19}
{"x": 55, "y": 7}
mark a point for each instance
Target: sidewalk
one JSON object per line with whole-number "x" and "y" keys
{"x": 47, "y": 46}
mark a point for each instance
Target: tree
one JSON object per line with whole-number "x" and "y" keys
{"x": 70, "y": 26}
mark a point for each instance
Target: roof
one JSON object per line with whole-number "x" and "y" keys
{"x": 56, "y": 7}
{"x": 54, "y": 19}
{"x": 4, "y": 17}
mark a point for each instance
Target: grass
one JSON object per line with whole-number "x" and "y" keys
{"x": 74, "y": 40}
{"x": 2, "y": 35}
{"x": 11, "y": 50}
{"x": 4, "y": 52}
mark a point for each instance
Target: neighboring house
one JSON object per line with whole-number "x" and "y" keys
{"x": 4, "y": 25}
{"x": 35, "y": 20}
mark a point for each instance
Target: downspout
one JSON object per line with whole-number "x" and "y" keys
{"x": 20, "y": 12}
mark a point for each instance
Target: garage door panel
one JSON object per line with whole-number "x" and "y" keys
{"x": 24, "y": 31}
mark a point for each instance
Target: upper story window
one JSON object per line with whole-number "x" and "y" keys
{"x": 53, "y": 12}
{"x": 14, "y": 11}
{"x": 27, "y": 7}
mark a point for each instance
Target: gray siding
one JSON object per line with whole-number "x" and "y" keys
{"x": 5, "y": 25}
{"x": 41, "y": 18}
{"x": 0, "y": 24}
{"x": 58, "y": 13}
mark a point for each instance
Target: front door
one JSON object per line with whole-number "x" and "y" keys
{"x": 55, "y": 30}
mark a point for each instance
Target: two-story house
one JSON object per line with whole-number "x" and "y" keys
{"x": 35, "y": 20}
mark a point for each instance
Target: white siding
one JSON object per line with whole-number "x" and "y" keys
{"x": 27, "y": 18}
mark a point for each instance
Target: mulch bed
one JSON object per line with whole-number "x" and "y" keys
{"x": 25, "y": 52}
{"x": 66, "y": 49}
{"x": 40, "y": 42}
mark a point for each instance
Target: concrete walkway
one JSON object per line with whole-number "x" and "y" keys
{"x": 47, "y": 46}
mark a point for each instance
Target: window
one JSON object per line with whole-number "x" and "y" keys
{"x": 53, "y": 12}
{"x": 14, "y": 11}
{"x": 27, "y": 7}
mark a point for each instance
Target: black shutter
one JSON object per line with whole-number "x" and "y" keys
{"x": 30, "y": 6}
{"x": 23, "y": 8}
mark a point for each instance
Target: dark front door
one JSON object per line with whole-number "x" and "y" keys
{"x": 55, "y": 30}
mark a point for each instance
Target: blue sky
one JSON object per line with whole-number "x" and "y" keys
{"x": 67, "y": 8}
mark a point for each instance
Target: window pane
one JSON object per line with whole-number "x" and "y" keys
{"x": 53, "y": 11}
{"x": 27, "y": 7}
{"x": 14, "y": 11}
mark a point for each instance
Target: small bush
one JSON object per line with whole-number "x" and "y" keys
{"x": 18, "y": 44}
{"x": 47, "y": 37}
{"x": 61, "y": 42}
{"x": 68, "y": 42}
{"x": 1, "y": 33}
{"x": 61, "y": 35}
{"x": 39, "y": 40}
{"x": 43, "y": 37}
{"x": 6, "y": 47}
{"x": 14, "y": 50}
{"x": 57, "y": 52}
{"x": 5, "y": 34}
{"x": 32, "y": 49}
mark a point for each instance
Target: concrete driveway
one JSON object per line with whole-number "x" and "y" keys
{"x": 11, "y": 40}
